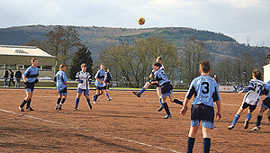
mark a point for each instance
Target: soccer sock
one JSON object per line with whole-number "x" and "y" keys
{"x": 191, "y": 142}
{"x": 58, "y": 101}
{"x": 88, "y": 101}
{"x": 142, "y": 90}
{"x": 160, "y": 101}
{"x": 235, "y": 119}
{"x": 95, "y": 97}
{"x": 28, "y": 103}
{"x": 63, "y": 100}
{"x": 248, "y": 117}
{"x": 178, "y": 101}
{"x": 23, "y": 103}
{"x": 167, "y": 109}
{"x": 107, "y": 94}
{"x": 206, "y": 145}
{"x": 259, "y": 119}
{"x": 77, "y": 102}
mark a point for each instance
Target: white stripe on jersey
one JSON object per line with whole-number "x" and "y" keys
{"x": 252, "y": 97}
{"x": 85, "y": 76}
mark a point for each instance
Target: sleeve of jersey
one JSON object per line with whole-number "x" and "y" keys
{"x": 191, "y": 91}
{"x": 27, "y": 73}
{"x": 65, "y": 77}
{"x": 96, "y": 76}
{"x": 89, "y": 78}
{"x": 77, "y": 75}
{"x": 216, "y": 96}
{"x": 156, "y": 77}
{"x": 250, "y": 86}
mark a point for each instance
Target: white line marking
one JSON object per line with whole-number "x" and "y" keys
{"x": 78, "y": 128}
{"x": 148, "y": 145}
{"x": 231, "y": 104}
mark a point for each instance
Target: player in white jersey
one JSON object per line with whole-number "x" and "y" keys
{"x": 251, "y": 99}
{"x": 265, "y": 106}
{"x": 83, "y": 78}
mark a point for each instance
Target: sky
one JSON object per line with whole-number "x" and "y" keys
{"x": 247, "y": 21}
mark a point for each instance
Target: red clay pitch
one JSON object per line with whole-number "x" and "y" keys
{"x": 126, "y": 124}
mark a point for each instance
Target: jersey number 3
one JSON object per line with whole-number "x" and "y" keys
{"x": 205, "y": 87}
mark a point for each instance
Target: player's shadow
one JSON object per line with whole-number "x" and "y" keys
{"x": 93, "y": 138}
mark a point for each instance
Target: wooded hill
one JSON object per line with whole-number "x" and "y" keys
{"x": 98, "y": 38}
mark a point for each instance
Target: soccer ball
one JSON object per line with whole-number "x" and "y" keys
{"x": 141, "y": 21}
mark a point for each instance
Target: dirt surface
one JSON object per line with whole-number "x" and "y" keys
{"x": 126, "y": 124}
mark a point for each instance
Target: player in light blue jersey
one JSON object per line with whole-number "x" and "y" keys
{"x": 61, "y": 86}
{"x": 253, "y": 93}
{"x": 30, "y": 79}
{"x": 83, "y": 78}
{"x": 148, "y": 84}
{"x": 265, "y": 106}
{"x": 205, "y": 91}
{"x": 162, "y": 80}
{"x": 100, "y": 84}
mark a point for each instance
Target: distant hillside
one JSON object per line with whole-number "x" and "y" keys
{"x": 97, "y": 38}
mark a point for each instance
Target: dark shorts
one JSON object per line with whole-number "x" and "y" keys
{"x": 29, "y": 87}
{"x": 107, "y": 87}
{"x": 266, "y": 103}
{"x": 63, "y": 92}
{"x": 251, "y": 107}
{"x": 166, "y": 88}
{"x": 101, "y": 88}
{"x": 155, "y": 84}
{"x": 202, "y": 112}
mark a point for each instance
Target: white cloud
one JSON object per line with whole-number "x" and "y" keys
{"x": 241, "y": 3}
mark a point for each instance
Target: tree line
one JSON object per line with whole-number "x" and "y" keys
{"x": 131, "y": 62}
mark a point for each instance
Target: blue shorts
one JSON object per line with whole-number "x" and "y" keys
{"x": 62, "y": 92}
{"x": 85, "y": 91}
{"x": 29, "y": 89}
{"x": 206, "y": 124}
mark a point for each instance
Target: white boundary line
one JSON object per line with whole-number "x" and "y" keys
{"x": 77, "y": 128}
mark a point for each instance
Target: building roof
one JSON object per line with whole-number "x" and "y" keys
{"x": 13, "y": 50}
{"x": 10, "y": 54}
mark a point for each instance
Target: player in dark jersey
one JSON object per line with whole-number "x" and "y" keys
{"x": 107, "y": 81}
{"x": 205, "y": 91}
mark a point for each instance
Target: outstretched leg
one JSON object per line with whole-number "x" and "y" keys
{"x": 138, "y": 94}
{"x": 236, "y": 118}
